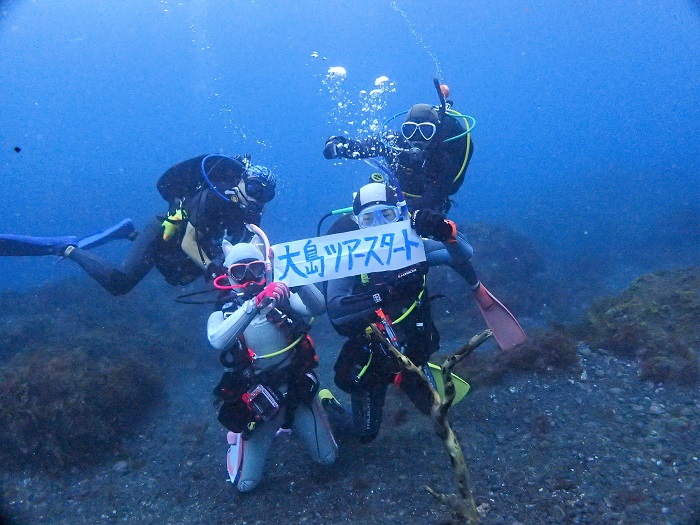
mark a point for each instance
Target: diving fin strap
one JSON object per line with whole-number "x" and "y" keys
{"x": 505, "y": 327}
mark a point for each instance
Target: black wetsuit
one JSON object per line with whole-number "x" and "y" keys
{"x": 351, "y": 304}
{"x": 211, "y": 216}
{"x": 426, "y": 184}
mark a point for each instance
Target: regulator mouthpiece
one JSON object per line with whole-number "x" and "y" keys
{"x": 415, "y": 154}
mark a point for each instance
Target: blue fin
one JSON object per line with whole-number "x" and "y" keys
{"x": 22, "y": 245}
{"x": 16, "y": 245}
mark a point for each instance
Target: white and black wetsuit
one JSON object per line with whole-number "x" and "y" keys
{"x": 210, "y": 215}
{"x": 239, "y": 328}
{"x": 352, "y": 303}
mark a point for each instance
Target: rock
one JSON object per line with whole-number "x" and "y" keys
{"x": 656, "y": 321}
{"x": 121, "y": 467}
{"x": 656, "y": 408}
{"x": 678, "y": 423}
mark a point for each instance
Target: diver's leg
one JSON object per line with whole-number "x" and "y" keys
{"x": 417, "y": 390}
{"x": 367, "y": 392}
{"x": 365, "y": 416}
{"x": 234, "y": 455}
{"x": 456, "y": 255}
{"x": 367, "y": 407}
{"x": 312, "y": 427}
{"x": 421, "y": 346}
{"x": 339, "y": 417}
{"x": 139, "y": 260}
{"x": 254, "y": 454}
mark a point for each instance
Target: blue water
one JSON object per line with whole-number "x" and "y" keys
{"x": 588, "y": 134}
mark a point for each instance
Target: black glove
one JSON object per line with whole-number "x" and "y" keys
{"x": 334, "y": 147}
{"x": 213, "y": 270}
{"x": 429, "y": 223}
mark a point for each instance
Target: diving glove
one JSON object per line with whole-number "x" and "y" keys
{"x": 334, "y": 147}
{"x": 429, "y": 223}
{"x": 274, "y": 295}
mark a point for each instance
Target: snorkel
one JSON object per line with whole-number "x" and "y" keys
{"x": 341, "y": 211}
{"x": 269, "y": 255}
{"x": 441, "y": 96}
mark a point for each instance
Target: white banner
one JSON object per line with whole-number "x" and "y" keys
{"x": 377, "y": 249}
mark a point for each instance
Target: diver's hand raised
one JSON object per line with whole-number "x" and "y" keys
{"x": 274, "y": 295}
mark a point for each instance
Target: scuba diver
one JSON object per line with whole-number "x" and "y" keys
{"x": 210, "y": 197}
{"x": 399, "y": 301}
{"x": 430, "y": 155}
{"x": 262, "y": 327}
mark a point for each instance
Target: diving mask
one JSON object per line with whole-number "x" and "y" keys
{"x": 243, "y": 272}
{"x": 259, "y": 183}
{"x": 377, "y": 215}
{"x": 426, "y": 130}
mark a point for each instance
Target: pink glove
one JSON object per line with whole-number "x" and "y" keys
{"x": 274, "y": 294}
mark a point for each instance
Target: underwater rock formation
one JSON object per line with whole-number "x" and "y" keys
{"x": 656, "y": 320}
{"x": 512, "y": 268}
{"x": 63, "y": 407}
{"x": 546, "y": 352}
{"x": 509, "y": 265}
{"x": 79, "y": 369}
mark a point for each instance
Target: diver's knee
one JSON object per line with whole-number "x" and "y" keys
{"x": 368, "y": 438}
{"x": 121, "y": 285}
{"x": 246, "y": 485}
{"x": 117, "y": 292}
{"x": 328, "y": 459}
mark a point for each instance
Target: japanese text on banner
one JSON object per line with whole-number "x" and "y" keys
{"x": 378, "y": 249}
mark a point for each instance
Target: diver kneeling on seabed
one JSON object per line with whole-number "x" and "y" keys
{"x": 398, "y": 302}
{"x": 262, "y": 328}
